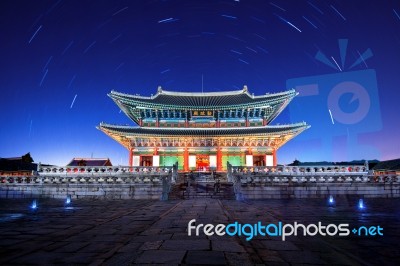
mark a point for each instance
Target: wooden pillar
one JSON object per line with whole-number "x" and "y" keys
{"x": 217, "y": 122}
{"x": 247, "y": 118}
{"x": 219, "y": 159}
{"x": 186, "y": 159}
{"x": 130, "y": 156}
{"x": 274, "y": 157}
{"x": 264, "y": 123}
{"x": 157, "y": 119}
{"x": 186, "y": 118}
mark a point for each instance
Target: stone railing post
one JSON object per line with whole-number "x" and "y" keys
{"x": 229, "y": 172}
{"x": 166, "y": 185}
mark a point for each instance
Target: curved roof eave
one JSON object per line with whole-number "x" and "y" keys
{"x": 186, "y": 99}
{"x": 211, "y": 132}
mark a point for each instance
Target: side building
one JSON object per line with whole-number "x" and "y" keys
{"x": 203, "y": 131}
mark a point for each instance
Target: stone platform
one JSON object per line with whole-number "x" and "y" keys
{"x": 123, "y": 232}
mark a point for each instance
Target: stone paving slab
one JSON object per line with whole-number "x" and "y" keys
{"x": 205, "y": 257}
{"x": 145, "y": 232}
{"x": 161, "y": 256}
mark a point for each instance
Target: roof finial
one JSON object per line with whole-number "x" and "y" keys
{"x": 159, "y": 89}
{"x": 245, "y": 88}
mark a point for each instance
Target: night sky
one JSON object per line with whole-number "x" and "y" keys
{"x": 59, "y": 59}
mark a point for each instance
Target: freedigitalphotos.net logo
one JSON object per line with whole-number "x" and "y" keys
{"x": 249, "y": 231}
{"x": 342, "y": 105}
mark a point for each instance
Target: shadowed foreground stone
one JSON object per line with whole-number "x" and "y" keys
{"x": 205, "y": 257}
{"x": 126, "y": 232}
{"x": 161, "y": 256}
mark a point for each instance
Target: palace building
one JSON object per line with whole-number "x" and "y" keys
{"x": 203, "y": 131}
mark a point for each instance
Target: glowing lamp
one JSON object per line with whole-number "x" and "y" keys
{"x": 34, "y": 205}
{"x": 68, "y": 200}
{"x": 331, "y": 201}
{"x": 361, "y": 204}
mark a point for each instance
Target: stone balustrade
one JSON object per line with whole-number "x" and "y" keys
{"x": 86, "y": 179}
{"x": 325, "y": 178}
{"x": 96, "y": 175}
{"x": 274, "y": 178}
{"x": 101, "y": 170}
{"x": 301, "y": 170}
{"x": 306, "y": 174}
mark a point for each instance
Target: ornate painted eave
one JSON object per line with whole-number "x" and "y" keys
{"x": 130, "y": 131}
{"x": 269, "y": 136}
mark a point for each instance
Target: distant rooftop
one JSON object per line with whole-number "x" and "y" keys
{"x": 392, "y": 165}
{"x": 22, "y": 163}
{"x": 90, "y": 162}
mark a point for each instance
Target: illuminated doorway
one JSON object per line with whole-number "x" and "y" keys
{"x": 146, "y": 160}
{"x": 258, "y": 160}
{"x": 202, "y": 162}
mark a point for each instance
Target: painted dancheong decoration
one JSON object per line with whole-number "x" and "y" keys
{"x": 203, "y": 131}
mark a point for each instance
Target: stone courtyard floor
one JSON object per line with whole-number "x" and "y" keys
{"x": 123, "y": 232}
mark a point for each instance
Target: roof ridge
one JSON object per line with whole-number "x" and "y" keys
{"x": 201, "y": 94}
{"x": 161, "y": 91}
{"x": 89, "y": 159}
{"x": 275, "y": 93}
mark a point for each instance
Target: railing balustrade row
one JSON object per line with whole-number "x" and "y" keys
{"x": 260, "y": 179}
{"x": 134, "y": 179}
{"x": 105, "y": 170}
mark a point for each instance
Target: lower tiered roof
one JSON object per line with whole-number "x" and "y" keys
{"x": 130, "y": 131}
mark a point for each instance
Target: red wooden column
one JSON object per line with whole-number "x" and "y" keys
{"x": 186, "y": 159}
{"x": 219, "y": 159}
{"x": 274, "y": 157}
{"x": 130, "y": 156}
{"x": 157, "y": 119}
{"x": 264, "y": 122}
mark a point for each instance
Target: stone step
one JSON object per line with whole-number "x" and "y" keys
{"x": 202, "y": 190}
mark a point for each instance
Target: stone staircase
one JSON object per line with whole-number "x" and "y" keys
{"x": 203, "y": 186}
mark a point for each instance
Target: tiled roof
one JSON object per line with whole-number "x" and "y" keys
{"x": 202, "y": 100}
{"x": 15, "y": 164}
{"x": 388, "y": 165}
{"x": 245, "y": 131}
{"x": 90, "y": 162}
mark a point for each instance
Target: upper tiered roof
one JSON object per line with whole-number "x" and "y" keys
{"x": 203, "y": 100}
{"x": 132, "y": 105}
